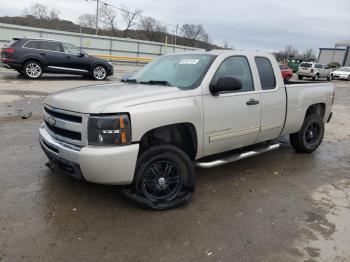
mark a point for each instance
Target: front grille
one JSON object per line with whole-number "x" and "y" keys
{"x": 64, "y": 132}
{"x": 64, "y": 125}
{"x": 71, "y": 118}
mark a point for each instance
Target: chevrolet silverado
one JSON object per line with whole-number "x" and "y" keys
{"x": 181, "y": 111}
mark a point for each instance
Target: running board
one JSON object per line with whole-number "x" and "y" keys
{"x": 236, "y": 157}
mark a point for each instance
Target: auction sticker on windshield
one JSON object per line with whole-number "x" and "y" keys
{"x": 189, "y": 61}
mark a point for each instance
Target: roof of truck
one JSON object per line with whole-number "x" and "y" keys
{"x": 218, "y": 52}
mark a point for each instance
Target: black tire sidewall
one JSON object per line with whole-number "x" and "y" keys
{"x": 25, "y": 72}
{"x": 166, "y": 152}
{"x": 306, "y": 147}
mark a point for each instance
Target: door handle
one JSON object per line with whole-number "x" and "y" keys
{"x": 68, "y": 56}
{"x": 252, "y": 102}
{"x": 42, "y": 54}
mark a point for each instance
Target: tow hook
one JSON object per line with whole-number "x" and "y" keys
{"x": 51, "y": 165}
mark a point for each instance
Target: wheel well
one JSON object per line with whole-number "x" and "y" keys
{"x": 32, "y": 59}
{"x": 319, "y": 109}
{"x": 98, "y": 64}
{"x": 182, "y": 135}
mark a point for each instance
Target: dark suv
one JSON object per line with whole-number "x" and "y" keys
{"x": 33, "y": 57}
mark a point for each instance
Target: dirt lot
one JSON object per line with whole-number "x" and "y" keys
{"x": 280, "y": 206}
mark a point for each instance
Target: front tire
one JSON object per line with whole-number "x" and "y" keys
{"x": 310, "y": 136}
{"x": 99, "y": 73}
{"x": 330, "y": 78}
{"x": 300, "y": 77}
{"x": 316, "y": 77}
{"x": 349, "y": 78}
{"x": 164, "y": 177}
{"x": 32, "y": 70}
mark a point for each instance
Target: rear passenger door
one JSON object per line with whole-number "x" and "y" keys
{"x": 273, "y": 99}
{"x": 52, "y": 53}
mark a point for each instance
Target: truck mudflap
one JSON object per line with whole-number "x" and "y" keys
{"x": 143, "y": 202}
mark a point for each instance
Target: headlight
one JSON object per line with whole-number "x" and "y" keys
{"x": 109, "y": 130}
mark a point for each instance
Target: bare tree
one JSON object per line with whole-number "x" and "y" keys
{"x": 130, "y": 18}
{"x": 152, "y": 28}
{"x": 108, "y": 17}
{"x": 38, "y": 11}
{"x": 194, "y": 32}
{"x": 309, "y": 55}
{"x": 87, "y": 20}
{"x": 53, "y": 14}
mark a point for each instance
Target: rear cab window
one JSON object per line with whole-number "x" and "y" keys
{"x": 266, "y": 73}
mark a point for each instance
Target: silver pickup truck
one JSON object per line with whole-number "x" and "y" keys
{"x": 200, "y": 109}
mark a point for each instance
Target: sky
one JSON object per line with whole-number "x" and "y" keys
{"x": 264, "y": 25}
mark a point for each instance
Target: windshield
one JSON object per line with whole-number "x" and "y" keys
{"x": 307, "y": 65}
{"x": 185, "y": 71}
{"x": 344, "y": 69}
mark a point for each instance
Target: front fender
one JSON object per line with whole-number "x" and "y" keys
{"x": 146, "y": 117}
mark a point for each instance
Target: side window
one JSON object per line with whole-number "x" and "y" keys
{"x": 266, "y": 74}
{"x": 32, "y": 44}
{"x": 51, "y": 46}
{"x": 236, "y": 66}
{"x": 70, "y": 49}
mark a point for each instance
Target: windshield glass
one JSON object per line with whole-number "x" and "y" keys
{"x": 344, "y": 69}
{"x": 307, "y": 65}
{"x": 183, "y": 71}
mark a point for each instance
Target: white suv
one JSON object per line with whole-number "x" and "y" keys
{"x": 314, "y": 70}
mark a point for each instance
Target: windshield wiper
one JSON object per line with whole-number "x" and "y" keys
{"x": 156, "y": 82}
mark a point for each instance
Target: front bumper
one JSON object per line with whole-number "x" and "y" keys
{"x": 104, "y": 165}
{"x": 342, "y": 77}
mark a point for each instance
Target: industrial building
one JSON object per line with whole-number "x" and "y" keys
{"x": 339, "y": 54}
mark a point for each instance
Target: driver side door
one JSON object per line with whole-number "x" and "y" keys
{"x": 232, "y": 120}
{"x": 75, "y": 59}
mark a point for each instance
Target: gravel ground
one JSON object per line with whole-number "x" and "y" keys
{"x": 280, "y": 206}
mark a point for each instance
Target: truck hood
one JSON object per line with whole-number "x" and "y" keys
{"x": 94, "y": 99}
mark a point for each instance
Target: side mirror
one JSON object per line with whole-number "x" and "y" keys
{"x": 225, "y": 84}
{"x": 81, "y": 55}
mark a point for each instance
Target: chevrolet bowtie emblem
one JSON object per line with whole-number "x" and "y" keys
{"x": 51, "y": 121}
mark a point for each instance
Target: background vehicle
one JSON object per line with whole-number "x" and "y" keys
{"x": 293, "y": 63}
{"x": 286, "y": 72}
{"x": 342, "y": 73}
{"x": 33, "y": 57}
{"x": 314, "y": 70}
{"x": 204, "y": 109}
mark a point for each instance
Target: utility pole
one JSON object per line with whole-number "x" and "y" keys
{"x": 97, "y": 2}
{"x": 177, "y": 27}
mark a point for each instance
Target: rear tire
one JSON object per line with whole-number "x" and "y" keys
{"x": 310, "y": 136}
{"x": 330, "y": 78}
{"x": 316, "y": 77}
{"x": 32, "y": 70}
{"x": 349, "y": 78}
{"x": 164, "y": 174}
{"x": 300, "y": 77}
